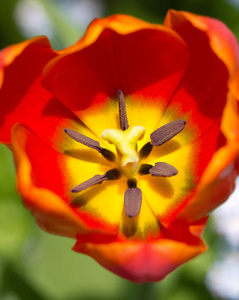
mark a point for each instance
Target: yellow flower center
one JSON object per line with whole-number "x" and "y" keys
{"x": 128, "y": 158}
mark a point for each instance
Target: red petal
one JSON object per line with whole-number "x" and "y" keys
{"x": 42, "y": 171}
{"x": 21, "y": 93}
{"x": 202, "y": 93}
{"x": 145, "y": 261}
{"x": 168, "y": 196}
{"x": 50, "y": 211}
{"x": 22, "y": 96}
{"x": 136, "y": 57}
{"x": 214, "y": 67}
{"x": 214, "y": 191}
{"x": 222, "y": 41}
{"x": 218, "y": 179}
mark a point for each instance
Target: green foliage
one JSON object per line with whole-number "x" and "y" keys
{"x": 9, "y": 33}
{"x": 155, "y": 10}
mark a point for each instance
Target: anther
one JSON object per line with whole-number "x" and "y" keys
{"x": 166, "y": 132}
{"x": 132, "y": 202}
{"x": 112, "y": 174}
{"x": 163, "y": 169}
{"x": 84, "y": 140}
{"x": 122, "y": 111}
{"x": 97, "y": 179}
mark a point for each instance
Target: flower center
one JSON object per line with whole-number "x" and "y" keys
{"x": 125, "y": 140}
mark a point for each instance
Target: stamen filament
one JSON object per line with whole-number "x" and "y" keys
{"x": 122, "y": 111}
{"x": 113, "y": 174}
{"x": 132, "y": 183}
{"x": 145, "y": 150}
{"x": 166, "y": 132}
{"x": 144, "y": 169}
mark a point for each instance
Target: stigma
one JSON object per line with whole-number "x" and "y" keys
{"x": 125, "y": 142}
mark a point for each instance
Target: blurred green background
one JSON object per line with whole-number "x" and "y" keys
{"x": 36, "y": 265}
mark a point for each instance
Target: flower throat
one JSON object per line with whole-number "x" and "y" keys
{"x": 128, "y": 157}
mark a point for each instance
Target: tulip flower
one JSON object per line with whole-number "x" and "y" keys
{"x": 128, "y": 139}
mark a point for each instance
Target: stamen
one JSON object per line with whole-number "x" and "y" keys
{"x": 122, "y": 111}
{"x": 83, "y": 139}
{"x": 144, "y": 169}
{"x": 112, "y": 174}
{"x": 145, "y": 150}
{"x": 107, "y": 154}
{"x": 132, "y": 202}
{"x": 166, "y": 132}
{"x": 110, "y": 156}
{"x": 163, "y": 169}
{"x": 97, "y": 179}
{"x": 132, "y": 183}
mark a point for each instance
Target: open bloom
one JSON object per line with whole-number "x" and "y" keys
{"x": 126, "y": 140}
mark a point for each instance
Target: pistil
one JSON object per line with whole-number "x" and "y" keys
{"x": 125, "y": 140}
{"x": 126, "y": 145}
